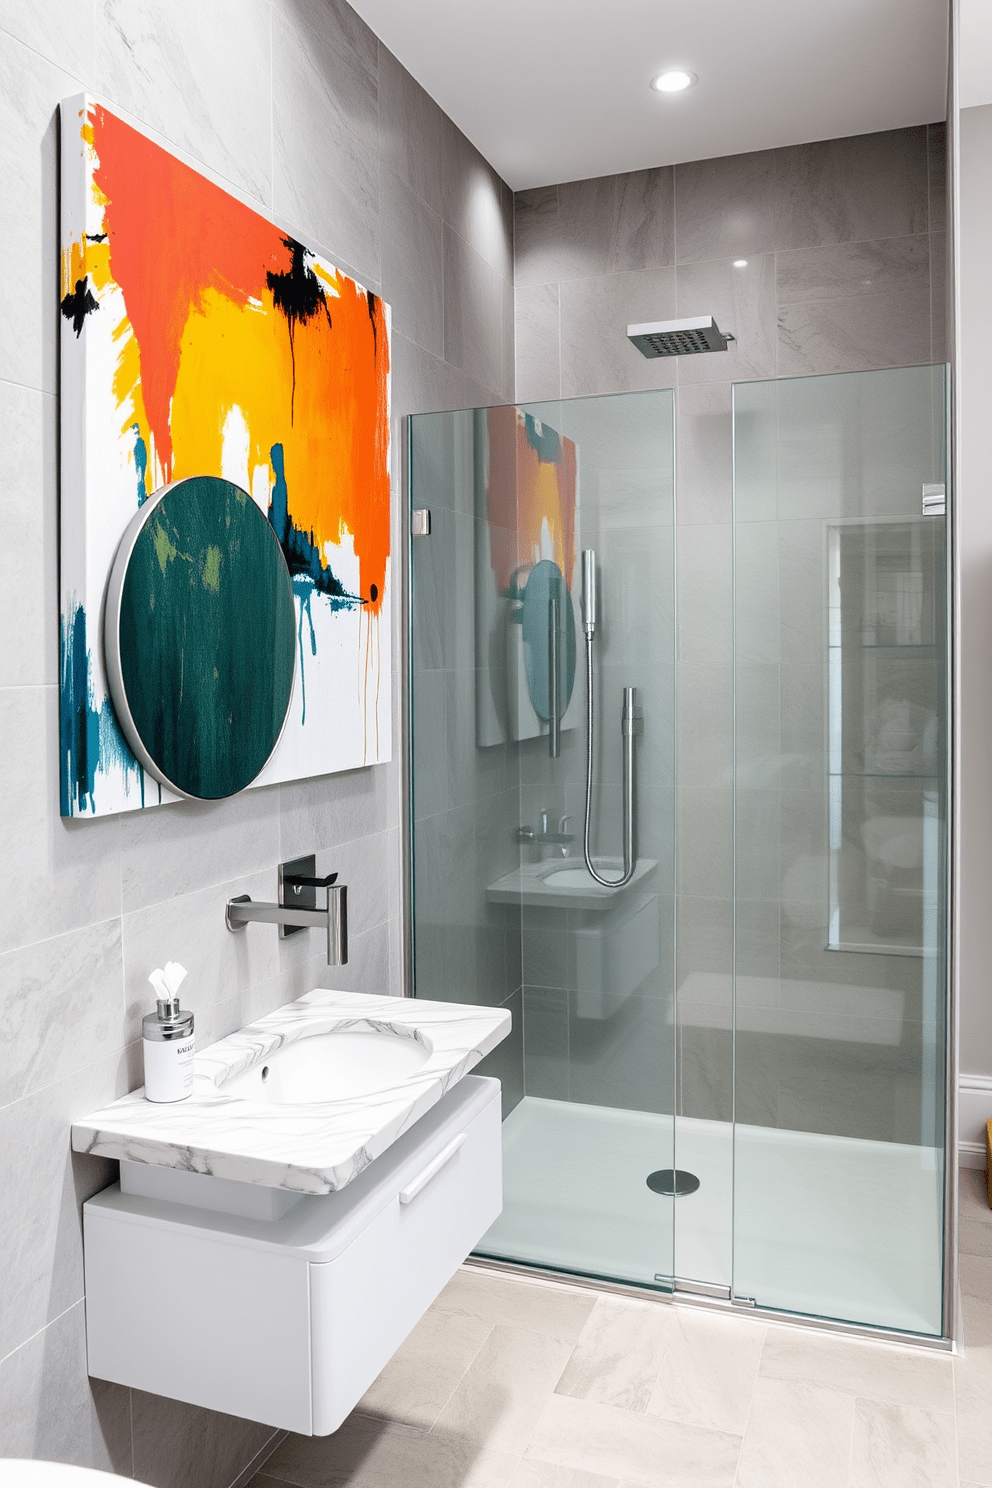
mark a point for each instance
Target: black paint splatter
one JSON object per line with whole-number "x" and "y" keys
{"x": 78, "y": 304}
{"x": 298, "y": 293}
{"x": 96, "y": 237}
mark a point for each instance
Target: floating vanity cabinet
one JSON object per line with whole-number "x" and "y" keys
{"x": 287, "y": 1320}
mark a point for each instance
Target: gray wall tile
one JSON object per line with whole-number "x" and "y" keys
{"x": 643, "y": 232}
{"x": 28, "y": 513}
{"x": 854, "y": 334}
{"x": 43, "y": 1188}
{"x": 412, "y": 271}
{"x": 325, "y": 173}
{"x": 704, "y": 490}
{"x": 849, "y": 190}
{"x": 538, "y": 374}
{"x": 837, "y": 271}
{"x": 411, "y": 131}
{"x": 199, "y": 74}
{"x": 742, "y": 301}
{"x": 30, "y": 89}
{"x": 472, "y": 200}
{"x": 55, "y": 875}
{"x": 937, "y": 175}
{"x": 62, "y": 32}
{"x": 596, "y": 356}
{"x": 54, "y": 1411}
{"x": 60, "y": 1007}
{"x": 536, "y": 257}
{"x": 473, "y": 308}
{"x": 725, "y": 208}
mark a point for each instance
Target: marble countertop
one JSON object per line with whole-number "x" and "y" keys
{"x": 314, "y": 1148}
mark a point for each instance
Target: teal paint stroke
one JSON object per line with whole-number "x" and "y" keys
{"x": 140, "y": 464}
{"x": 89, "y": 738}
{"x": 207, "y": 636}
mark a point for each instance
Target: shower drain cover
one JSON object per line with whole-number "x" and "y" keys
{"x": 671, "y": 1181}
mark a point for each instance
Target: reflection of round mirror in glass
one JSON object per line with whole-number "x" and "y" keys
{"x": 200, "y": 637}
{"x": 549, "y": 640}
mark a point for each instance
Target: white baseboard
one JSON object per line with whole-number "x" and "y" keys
{"x": 974, "y": 1110}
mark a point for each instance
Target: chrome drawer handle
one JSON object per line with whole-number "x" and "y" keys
{"x": 433, "y": 1167}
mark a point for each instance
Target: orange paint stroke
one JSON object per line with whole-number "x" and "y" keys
{"x": 527, "y": 499}
{"x": 203, "y": 337}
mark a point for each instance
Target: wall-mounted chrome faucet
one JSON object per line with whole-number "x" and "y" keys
{"x": 294, "y": 913}
{"x": 545, "y": 837}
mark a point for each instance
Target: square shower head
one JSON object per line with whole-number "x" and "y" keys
{"x": 679, "y": 337}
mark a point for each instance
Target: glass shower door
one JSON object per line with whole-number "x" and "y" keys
{"x": 841, "y": 665}
{"x": 505, "y": 910}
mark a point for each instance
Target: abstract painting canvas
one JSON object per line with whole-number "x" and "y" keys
{"x": 199, "y": 339}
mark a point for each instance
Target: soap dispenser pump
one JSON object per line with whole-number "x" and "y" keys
{"x": 167, "y": 1040}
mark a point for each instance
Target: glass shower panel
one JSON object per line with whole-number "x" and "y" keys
{"x": 505, "y": 910}
{"x": 840, "y": 658}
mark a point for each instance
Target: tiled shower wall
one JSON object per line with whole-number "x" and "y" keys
{"x": 297, "y": 107}
{"x": 820, "y": 258}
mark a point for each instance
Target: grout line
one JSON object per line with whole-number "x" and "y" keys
{"x": 44, "y": 1327}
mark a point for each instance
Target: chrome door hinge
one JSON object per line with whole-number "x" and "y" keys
{"x": 934, "y": 501}
{"x": 420, "y": 521}
{"x": 743, "y": 1302}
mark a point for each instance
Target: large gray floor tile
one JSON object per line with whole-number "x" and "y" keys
{"x": 557, "y": 1311}
{"x": 973, "y": 1391}
{"x": 798, "y": 1436}
{"x": 876, "y": 1371}
{"x": 902, "y": 1446}
{"x": 709, "y": 1371}
{"x": 421, "y": 1376}
{"x": 619, "y": 1353}
{"x": 640, "y": 1449}
{"x": 533, "y": 1474}
{"x": 365, "y": 1453}
{"x": 504, "y": 1389}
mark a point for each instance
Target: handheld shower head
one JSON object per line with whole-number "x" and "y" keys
{"x": 661, "y": 338}
{"x": 589, "y": 592}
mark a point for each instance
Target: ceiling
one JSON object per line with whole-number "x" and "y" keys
{"x": 557, "y": 90}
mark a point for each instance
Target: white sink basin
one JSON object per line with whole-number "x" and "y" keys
{"x": 575, "y": 878}
{"x": 331, "y": 1066}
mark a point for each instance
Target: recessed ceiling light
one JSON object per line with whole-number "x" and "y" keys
{"x": 740, "y": 263}
{"x": 673, "y": 81}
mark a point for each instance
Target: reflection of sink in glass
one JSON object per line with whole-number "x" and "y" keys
{"x": 576, "y": 878}
{"x": 330, "y": 1066}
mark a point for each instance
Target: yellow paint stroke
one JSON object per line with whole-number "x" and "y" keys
{"x": 165, "y": 548}
{"x": 211, "y": 569}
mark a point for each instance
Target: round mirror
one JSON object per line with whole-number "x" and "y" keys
{"x": 549, "y": 640}
{"x": 200, "y": 637}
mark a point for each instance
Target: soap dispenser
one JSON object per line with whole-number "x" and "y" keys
{"x": 167, "y": 1040}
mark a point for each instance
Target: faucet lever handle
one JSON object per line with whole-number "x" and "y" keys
{"x": 298, "y": 881}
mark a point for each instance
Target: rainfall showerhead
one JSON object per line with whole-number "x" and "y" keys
{"x": 679, "y": 337}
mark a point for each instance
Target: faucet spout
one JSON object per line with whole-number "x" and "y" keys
{"x": 333, "y": 918}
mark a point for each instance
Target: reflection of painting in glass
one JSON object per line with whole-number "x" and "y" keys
{"x": 529, "y": 498}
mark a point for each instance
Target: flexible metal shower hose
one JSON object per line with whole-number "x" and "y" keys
{"x": 629, "y": 860}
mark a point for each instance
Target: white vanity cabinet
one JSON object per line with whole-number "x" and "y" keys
{"x": 288, "y": 1320}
